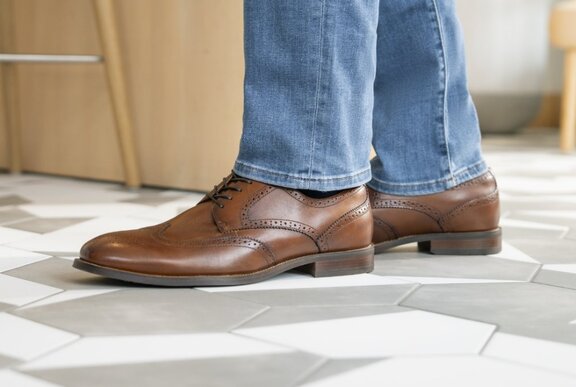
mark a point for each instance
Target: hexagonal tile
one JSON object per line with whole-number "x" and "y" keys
{"x": 392, "y": 334}
{"x": 408, "y": 262}
{"x": 145, "y": 311}
{"x": 336, "y": 296}
{"x": 278, "y": 370}
{"x": 524, "y": 309}
{"x": 45, "y": 225}
{"x": 59, "y": 273}
{"x": 446, "y": 371}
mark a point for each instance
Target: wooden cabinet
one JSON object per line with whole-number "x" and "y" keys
{"x": 184, "y": 67}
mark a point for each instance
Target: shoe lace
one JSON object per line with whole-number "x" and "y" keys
{"x": 219, "y": 189}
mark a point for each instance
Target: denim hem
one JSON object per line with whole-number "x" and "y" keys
{"x": 430, "y": 187}
{"x": 287, "y": 180}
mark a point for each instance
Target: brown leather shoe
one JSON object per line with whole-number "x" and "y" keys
{"x": 241, "y": 232}
{"x": 461, "y": 221}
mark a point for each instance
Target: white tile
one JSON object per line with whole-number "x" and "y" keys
{"x": 507, "y": 222}
{"x": 16, "y": 291}
{"x": 569, "y": 199}
{"x": 90, "y": 210}
{"x": 442, "y": 280}
{"x": 551, "y": 214}
{"x": 13, "y": 258}
{"x": 69, "y": 295}
{"x": 393, "y": 334}
{"x": 534, "y": 352}
{"x": 14, "y": 379}
{"x": 8, "y": 235}
{"x": 512, "y": 253}
{"x": 445, "y": 371}
{"x": 94, "y": 351}
{"x": 537, "y": 185}
{"x": 23, "y": 339}
{"x": 68, "y": 191}
{"x": 70, "y": 239}
{"x": 568, "y": 268}
{"x": 304, "y": 281}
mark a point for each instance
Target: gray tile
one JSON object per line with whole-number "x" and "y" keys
{"x": 44, "y": 225}
{"x": 553, "y": 251}
{"x": 12, "y": 200}
{"x": 512, "y": 205}
{"x": 4, "y": 307}
{"x": 272, "y": 370}
{"x": 145, "y": 311}
{"x": 335, "y": 367}
{"x": 294, "y": 315}
{"x": 406, "y": 261}
{"x": 571, "y": 235}
{"x": 353, "y": 295}
{"x": 59, "y": 273}
{"x": 13, "y": 214}
{"x": 6, "y": 362}
{"x": 525, "y": 309}
{"x": 514, "y": 232}
{"x": 555, "y": 220}
{"x": 556, "y": 278}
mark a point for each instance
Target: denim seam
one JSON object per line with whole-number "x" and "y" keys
{"x": 445, "y": 122}
{"x": 294, "y": 177}
{"x": 453, "y": 177}
{"x": 318, "y": 87}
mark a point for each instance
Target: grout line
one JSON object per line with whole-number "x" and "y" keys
{"x": 272, "y": 343}
{"x": 313, "y": 370}
{"x": 16, "y": 307}
{"x": 489, "y": 339}
{"x": 248, "y": 319}
{"x": 50, "y": 352}
{"x": 16, "y": 221}
{"x": 408, "y": 294}
{"x": 554, "y": 286}
{"x": 530, "y": 366}
{"x": 536, "y": 272}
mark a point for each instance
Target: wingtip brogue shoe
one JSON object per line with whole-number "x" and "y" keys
{"x": 460, "y": 221}
{"x": 242, "y": 232}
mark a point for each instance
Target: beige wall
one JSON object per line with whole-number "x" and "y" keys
{"x": 184, "y": 73}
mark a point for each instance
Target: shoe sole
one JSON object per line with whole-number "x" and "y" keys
{"x": 318, "y": 265}
{"x": 457, "y": 243}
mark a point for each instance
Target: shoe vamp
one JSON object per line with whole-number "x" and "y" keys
{"x": 142, "y": 251}
{"x": 195, "y": 224}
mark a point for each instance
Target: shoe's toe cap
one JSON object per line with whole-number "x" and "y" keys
{"x": 115, "y": 250}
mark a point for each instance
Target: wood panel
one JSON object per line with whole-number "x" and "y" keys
{"x": 184, "y": 66}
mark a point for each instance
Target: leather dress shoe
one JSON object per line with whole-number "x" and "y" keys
{"x": 241, "y": 232}
{"x": 461, "y": 221}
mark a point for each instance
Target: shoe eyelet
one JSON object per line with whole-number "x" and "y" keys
{"x": 221, "y": 205}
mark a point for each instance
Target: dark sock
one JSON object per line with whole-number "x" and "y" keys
{"x": 319, "y": 194}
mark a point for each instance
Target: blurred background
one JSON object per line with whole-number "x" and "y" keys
{"x": 182, "y": 61}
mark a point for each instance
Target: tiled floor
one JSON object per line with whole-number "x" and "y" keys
{"x": 503, "y": 320}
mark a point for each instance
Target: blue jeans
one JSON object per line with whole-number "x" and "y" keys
{"x": 326, "y": 79}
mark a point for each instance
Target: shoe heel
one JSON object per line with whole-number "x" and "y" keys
{"x": 342, "y": 263}
{"x": 464, "y": 243}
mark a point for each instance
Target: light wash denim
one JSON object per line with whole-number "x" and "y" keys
{"x": 326, "y": 79}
